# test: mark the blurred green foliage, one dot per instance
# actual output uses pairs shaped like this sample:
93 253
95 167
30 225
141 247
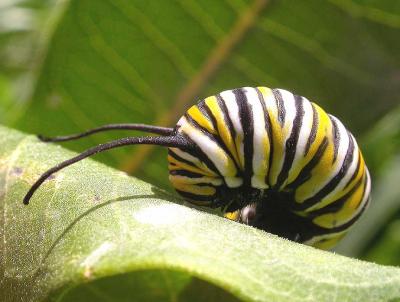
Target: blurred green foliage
66 66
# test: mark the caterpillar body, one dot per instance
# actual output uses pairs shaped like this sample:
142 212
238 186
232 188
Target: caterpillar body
267 157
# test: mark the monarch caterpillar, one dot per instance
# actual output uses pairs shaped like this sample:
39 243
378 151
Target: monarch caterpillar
268 158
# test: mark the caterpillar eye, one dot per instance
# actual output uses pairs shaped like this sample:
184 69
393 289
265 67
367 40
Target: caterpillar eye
271 158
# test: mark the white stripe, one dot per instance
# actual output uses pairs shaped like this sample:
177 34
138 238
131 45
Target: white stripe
342 151
214 152
233 111
198 163
344 144
259 133
305 130
304 134
365 198
290 113
367 192
272 110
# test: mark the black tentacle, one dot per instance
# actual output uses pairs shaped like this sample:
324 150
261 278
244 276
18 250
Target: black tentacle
166 141
139 127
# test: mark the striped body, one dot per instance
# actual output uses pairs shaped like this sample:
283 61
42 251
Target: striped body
273 160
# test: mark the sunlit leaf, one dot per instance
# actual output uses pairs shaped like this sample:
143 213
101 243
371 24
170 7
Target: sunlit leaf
94 234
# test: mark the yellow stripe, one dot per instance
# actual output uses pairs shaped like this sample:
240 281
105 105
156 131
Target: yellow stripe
345 213
327 243
240 150
218 156
261 170
319 136
193 189
276 131
341 193
265 91
223 129
183 166
323 170
195 180
278 137
202 120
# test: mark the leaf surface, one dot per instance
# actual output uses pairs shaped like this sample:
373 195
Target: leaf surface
94 233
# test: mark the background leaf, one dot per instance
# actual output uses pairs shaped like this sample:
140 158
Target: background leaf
24 28
135 61
81 240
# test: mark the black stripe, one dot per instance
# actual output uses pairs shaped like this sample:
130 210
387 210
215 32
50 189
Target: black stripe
198 153
366 180
331 185
196 197
205 184
186 173
336 205
313 132
195 124
355 171
210 115
202 156
227 118
232 131
316 230
336 138
268 128
216 138
348 224
203 130
305 173
291 142
202 107
246 119
280 105
177 157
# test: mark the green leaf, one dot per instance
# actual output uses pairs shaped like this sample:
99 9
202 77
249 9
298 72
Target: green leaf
93 233
24 33
148 61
